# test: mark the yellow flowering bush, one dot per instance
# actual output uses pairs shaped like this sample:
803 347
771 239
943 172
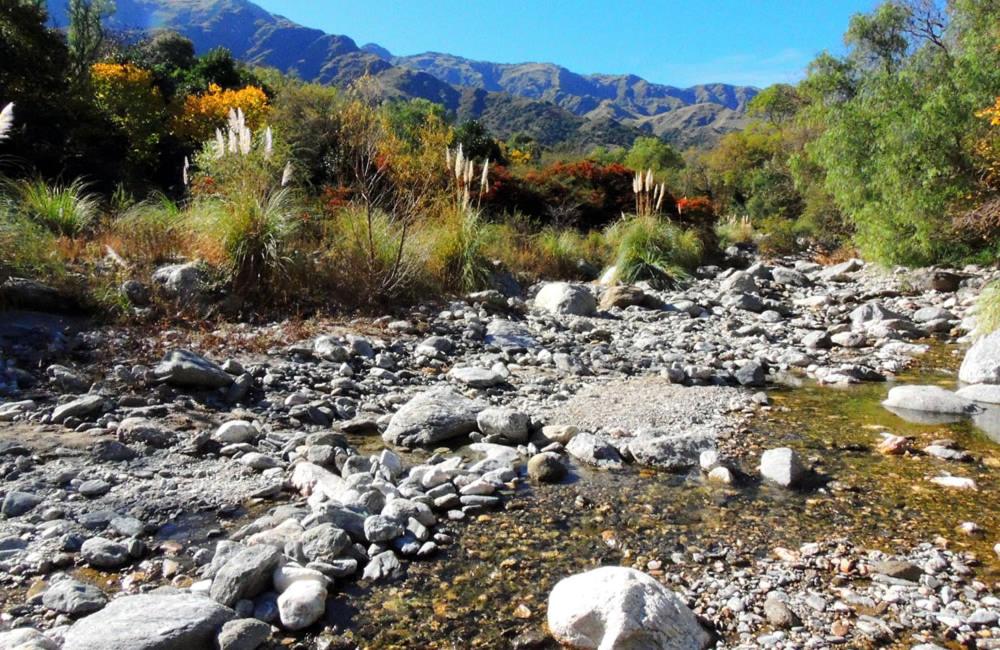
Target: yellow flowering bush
201 114
125 93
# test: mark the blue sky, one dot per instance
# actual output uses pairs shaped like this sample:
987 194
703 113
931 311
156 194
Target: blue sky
754 42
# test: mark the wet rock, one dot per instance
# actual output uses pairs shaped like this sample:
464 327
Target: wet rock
932 399
897 569
546 468
983 393
617 607
434 416
671 451
245 575
782 466
981 364
74 598
563 298
595 451
188 370
384 566
151 622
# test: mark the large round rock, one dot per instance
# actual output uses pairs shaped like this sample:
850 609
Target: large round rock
566 298
982 362
621 609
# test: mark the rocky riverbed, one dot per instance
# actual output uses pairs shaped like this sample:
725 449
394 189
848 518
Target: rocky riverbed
425 479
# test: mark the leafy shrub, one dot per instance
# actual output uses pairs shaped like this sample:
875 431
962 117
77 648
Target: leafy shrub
653 249
66 210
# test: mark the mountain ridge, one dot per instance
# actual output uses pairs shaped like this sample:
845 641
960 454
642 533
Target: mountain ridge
554 105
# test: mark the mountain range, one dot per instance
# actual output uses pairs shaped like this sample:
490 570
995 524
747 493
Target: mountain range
555 106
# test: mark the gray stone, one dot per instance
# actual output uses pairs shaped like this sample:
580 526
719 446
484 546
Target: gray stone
563 298
26 638
379 528
593 450
753 373
507 423
102 553
78 408
151 622
17 503
243 634
189 370
617 607
384 566
782 466
94 488
235 432
476 377
932 399
183 282
981 364
74 598
872 312
509 336
670 451
147 432
245 575
984 393
324 543
433 416
779 615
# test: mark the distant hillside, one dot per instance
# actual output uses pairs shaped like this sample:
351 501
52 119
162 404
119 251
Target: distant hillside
555 105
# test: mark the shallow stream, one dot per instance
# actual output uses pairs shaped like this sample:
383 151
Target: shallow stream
490 589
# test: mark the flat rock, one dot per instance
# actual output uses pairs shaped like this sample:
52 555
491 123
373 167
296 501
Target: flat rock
151 622
188 370
431 417
932 399
78 408
74 598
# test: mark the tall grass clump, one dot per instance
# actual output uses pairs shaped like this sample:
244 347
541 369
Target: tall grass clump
988 310
243 211
735 230
26 248
152 231
459 245
654 250
66 210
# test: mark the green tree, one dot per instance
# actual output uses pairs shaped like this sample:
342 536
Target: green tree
85 34
407 118
653 153
776 104
476 141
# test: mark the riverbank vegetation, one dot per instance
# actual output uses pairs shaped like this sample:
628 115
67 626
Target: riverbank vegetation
121 154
